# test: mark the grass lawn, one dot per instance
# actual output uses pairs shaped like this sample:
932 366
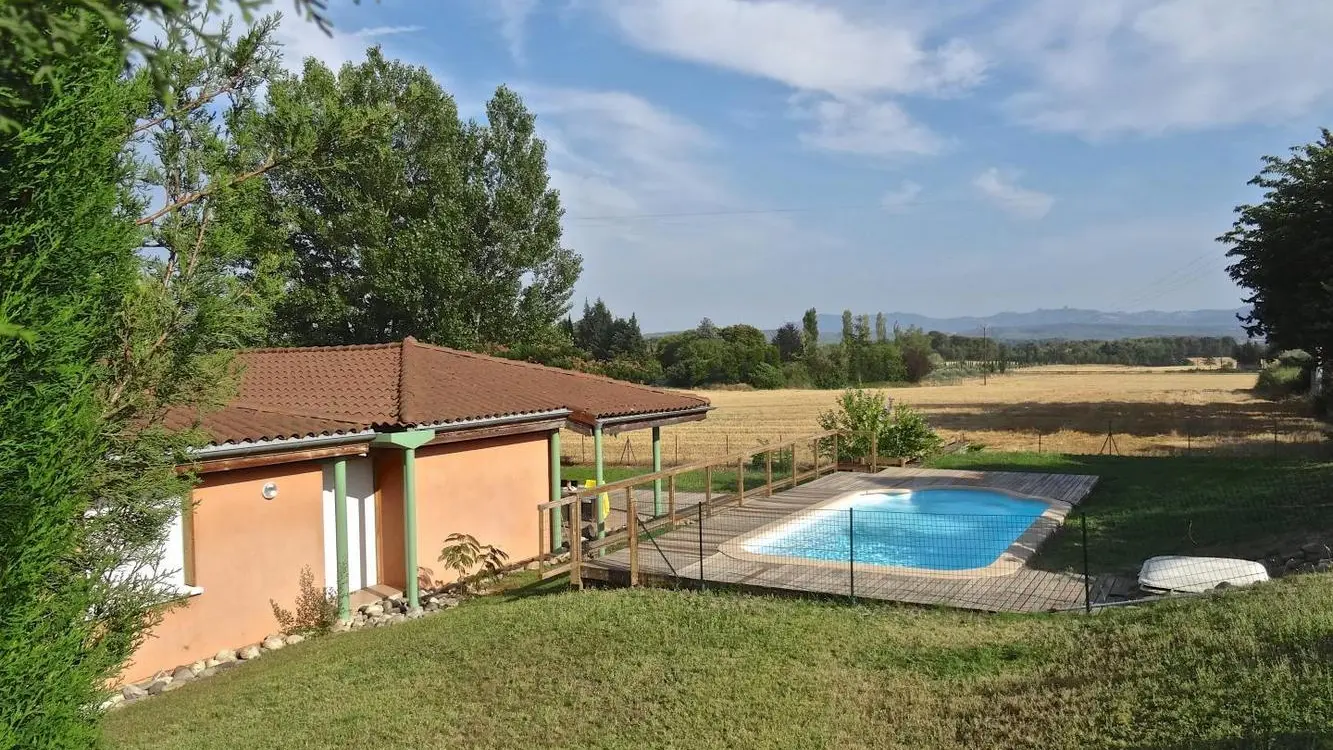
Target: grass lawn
656 668
1184 505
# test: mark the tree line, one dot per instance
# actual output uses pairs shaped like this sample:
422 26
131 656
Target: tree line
1152 351
868 352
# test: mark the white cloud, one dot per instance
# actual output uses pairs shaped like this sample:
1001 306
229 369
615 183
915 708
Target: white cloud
804 45
850 66
301 39
513 18
1004 191
378 32
874 128
649 201
1154 66
901 198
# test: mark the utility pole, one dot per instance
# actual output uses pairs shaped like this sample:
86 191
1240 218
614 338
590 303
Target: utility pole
985 353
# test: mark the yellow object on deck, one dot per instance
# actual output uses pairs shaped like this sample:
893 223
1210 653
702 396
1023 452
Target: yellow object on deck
603 500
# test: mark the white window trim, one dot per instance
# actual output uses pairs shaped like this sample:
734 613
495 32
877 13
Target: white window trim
172 562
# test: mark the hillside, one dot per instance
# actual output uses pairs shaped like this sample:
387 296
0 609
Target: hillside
1065 323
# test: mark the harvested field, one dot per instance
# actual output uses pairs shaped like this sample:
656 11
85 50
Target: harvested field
1068 409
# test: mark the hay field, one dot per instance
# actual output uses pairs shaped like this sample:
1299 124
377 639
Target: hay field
1149 410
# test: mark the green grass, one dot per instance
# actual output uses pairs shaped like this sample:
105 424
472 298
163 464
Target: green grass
1184 505
654 668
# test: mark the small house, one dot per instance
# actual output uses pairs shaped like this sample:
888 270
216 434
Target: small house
363 459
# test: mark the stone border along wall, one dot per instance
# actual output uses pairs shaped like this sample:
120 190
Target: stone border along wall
390 611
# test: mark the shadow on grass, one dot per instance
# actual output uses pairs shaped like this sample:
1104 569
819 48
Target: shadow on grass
523 585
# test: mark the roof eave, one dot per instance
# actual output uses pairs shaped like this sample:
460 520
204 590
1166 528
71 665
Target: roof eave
585 423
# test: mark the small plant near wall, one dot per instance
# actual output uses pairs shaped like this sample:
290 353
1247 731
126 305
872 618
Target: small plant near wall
474 563
316 608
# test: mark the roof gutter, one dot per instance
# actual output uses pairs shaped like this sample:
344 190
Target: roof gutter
652 415
270 446
211 452
467 424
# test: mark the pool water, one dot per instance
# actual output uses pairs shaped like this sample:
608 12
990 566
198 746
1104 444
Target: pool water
936 529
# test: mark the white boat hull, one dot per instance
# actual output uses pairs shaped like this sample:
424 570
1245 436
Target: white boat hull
1197 574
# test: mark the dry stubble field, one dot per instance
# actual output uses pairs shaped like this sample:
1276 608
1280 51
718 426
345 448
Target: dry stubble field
1150 411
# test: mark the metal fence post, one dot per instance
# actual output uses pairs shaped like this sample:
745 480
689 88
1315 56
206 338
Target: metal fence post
1087 579
851 553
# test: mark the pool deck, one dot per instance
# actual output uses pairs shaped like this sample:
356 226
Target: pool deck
685 556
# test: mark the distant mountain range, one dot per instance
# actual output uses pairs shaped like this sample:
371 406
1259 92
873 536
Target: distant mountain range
1064 323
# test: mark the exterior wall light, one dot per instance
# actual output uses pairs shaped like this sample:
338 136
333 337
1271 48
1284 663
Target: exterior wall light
270 490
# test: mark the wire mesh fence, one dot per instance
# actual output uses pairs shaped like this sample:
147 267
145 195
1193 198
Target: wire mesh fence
1163 530
1129 430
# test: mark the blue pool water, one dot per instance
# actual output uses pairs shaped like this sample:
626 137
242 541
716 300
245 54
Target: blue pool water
936 529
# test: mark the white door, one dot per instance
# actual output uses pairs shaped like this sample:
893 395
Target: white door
362 557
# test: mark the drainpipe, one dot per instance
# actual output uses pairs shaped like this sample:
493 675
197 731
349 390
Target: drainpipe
409 441
340 535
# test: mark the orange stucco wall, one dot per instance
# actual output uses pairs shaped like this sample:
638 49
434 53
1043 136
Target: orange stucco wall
487 488
246 551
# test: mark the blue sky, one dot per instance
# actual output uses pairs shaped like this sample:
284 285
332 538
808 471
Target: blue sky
747 159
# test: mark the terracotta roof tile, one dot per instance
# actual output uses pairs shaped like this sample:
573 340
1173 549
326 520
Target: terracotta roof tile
297 392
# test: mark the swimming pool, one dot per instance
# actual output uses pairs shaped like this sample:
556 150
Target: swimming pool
949 529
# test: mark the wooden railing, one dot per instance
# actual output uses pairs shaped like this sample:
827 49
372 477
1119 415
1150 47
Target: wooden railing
822 449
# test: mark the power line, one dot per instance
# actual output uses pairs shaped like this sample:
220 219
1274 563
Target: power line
1170 281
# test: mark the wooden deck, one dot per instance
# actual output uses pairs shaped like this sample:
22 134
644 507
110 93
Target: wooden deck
685 555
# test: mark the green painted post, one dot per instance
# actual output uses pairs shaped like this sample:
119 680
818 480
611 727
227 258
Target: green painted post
658 509
410 525
408 441
557 514
340 535
600 476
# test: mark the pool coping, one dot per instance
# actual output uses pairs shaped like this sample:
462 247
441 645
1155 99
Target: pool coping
1008 562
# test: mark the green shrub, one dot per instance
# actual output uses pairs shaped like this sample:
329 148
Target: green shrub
767 377
796 375
909 435
902 432
1294 358
66 265
1281 381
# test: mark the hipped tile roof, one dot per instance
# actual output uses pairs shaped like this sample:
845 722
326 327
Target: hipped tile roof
309 391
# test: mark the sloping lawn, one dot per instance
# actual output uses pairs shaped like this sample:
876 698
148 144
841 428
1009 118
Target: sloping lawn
1204 505
655 668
